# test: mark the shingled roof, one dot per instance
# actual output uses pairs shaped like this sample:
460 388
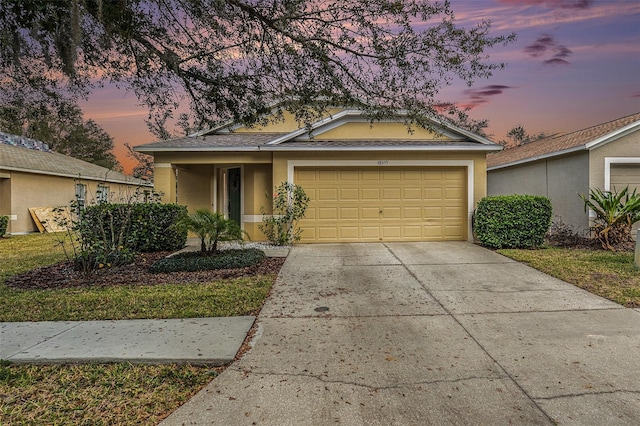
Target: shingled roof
16 158
584 139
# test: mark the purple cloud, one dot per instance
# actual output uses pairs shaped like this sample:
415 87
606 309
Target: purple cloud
481 95
553 4
546 46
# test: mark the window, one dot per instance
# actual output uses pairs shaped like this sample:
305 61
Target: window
81 196
102 194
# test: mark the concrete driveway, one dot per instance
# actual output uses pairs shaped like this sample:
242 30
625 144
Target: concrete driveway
427 333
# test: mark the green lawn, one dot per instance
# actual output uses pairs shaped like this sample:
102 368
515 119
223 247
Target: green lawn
608 274
122 394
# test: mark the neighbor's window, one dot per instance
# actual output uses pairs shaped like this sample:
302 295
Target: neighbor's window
81 196
102 194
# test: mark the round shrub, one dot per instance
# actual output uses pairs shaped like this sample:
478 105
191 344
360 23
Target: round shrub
512 221
197 261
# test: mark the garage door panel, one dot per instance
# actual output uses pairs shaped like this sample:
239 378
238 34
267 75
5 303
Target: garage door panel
328 213
326 194
349 213
391 213
394 194
370 213
432 193
349 194
373 204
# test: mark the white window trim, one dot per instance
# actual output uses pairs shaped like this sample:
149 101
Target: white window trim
469 164
608 161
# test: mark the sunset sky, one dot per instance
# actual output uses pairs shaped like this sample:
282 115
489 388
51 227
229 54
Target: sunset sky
575 63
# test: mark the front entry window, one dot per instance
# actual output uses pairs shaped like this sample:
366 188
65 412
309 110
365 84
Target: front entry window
234 194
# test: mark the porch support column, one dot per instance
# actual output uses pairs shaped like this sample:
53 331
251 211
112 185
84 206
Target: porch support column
164 181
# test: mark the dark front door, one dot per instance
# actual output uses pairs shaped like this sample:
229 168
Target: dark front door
233 191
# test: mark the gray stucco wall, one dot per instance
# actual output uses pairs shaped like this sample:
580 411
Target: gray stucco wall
560 179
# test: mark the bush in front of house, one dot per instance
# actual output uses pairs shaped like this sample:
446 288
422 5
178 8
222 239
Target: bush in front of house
512 221
4 222
196 261
139 227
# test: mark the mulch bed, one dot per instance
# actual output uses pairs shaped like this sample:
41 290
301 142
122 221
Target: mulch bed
62 275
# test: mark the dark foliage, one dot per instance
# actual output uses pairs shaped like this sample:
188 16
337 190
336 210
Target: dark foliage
232 60
196 261
4 222
147 227
512 221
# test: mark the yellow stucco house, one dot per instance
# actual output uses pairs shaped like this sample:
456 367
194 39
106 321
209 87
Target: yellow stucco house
367 181
34 178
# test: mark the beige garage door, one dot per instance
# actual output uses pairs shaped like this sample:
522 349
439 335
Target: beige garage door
384 204
623 175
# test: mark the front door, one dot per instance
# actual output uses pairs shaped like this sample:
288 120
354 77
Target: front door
234 194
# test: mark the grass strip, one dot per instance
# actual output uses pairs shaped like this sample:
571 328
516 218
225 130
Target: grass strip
99 394
243 296
611 275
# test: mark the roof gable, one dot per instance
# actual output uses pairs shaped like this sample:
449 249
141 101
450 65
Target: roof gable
580 140
345 129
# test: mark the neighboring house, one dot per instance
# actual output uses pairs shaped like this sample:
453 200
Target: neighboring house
605 156
34 177
367 181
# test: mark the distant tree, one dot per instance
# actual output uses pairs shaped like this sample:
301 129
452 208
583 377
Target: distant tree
236 59
57 121
519 136
144 164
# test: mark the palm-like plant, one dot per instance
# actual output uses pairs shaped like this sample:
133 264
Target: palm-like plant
616 212
211 228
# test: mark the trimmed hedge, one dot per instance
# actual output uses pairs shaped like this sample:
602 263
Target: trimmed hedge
512 221
151 227
4 222
196 261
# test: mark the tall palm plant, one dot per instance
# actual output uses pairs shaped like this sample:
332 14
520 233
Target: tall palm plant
616 212
211 228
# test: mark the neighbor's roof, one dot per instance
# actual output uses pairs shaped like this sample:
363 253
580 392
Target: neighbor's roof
585 139
223 139
20 159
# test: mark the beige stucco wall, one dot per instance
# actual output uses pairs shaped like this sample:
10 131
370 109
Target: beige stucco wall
195 186
28 190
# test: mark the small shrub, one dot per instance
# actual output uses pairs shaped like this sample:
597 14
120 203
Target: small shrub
563 235
512 221
4 222
196 261
289 205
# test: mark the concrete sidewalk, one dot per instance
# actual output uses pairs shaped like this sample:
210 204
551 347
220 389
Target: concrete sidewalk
210 341
427 334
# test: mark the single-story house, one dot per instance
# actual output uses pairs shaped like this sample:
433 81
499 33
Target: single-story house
367 181
604 156
34 177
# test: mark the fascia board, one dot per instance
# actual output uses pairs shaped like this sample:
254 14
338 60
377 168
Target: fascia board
76 176
610 137
538 157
